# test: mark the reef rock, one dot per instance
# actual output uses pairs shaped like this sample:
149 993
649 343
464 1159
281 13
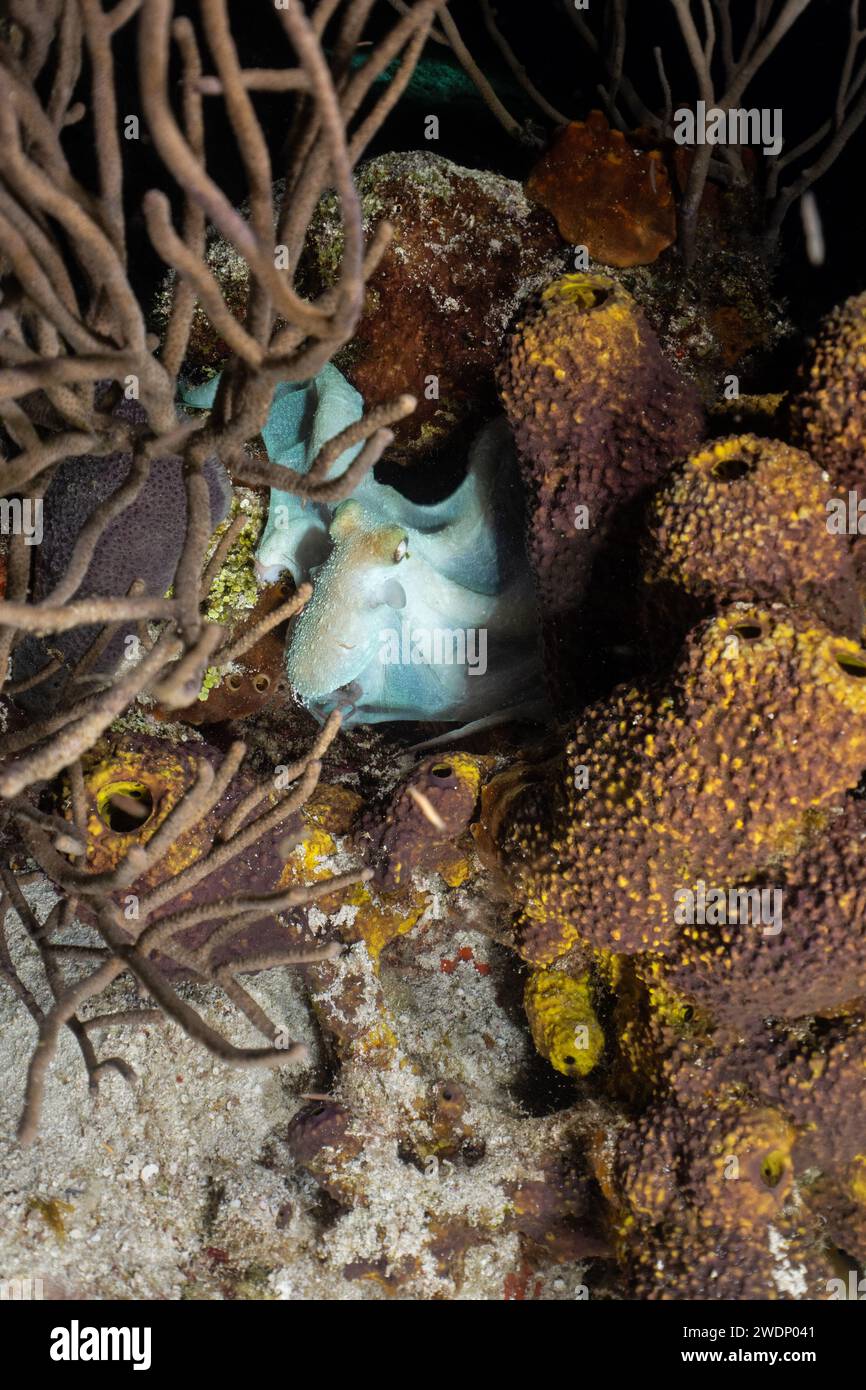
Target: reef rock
467 249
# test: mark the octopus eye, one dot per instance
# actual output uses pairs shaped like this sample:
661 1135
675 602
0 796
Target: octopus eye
402 551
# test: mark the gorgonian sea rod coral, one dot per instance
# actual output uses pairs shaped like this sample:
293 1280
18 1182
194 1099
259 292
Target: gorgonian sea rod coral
160 838
74 297
89 396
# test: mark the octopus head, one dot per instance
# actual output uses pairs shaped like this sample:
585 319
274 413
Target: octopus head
362 584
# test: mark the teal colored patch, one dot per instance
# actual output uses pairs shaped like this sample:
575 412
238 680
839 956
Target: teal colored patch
434 80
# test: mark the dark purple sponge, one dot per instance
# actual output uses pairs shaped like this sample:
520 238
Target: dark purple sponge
143 542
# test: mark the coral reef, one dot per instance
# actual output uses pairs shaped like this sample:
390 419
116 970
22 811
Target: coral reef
816 964
178 865
707 1206
481 1174
465 248
153 476
542 1013
721 321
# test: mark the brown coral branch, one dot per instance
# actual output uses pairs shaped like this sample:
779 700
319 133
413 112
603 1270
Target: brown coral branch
124 1018
251 636
276 476
134 956
485 90
184 296
814 171
10 974
34 618
517 68
201 282
639 111
259 80
269 960
249 803
224 853
19 687
379 418
234 913
80 733
63 1011
184 679
82 669
254 798
30 464
192 1023
68 66
189 172
848 116
394 90
70 323
98 34
187 578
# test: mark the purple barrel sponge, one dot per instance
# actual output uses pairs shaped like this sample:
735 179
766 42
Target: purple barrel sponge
144 542
599 416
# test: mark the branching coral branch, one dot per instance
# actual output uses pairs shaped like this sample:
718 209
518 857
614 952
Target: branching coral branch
848 116
74 323
725 64
74 340
126 951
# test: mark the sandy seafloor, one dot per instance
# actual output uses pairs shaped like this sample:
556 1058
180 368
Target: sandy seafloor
185 1188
